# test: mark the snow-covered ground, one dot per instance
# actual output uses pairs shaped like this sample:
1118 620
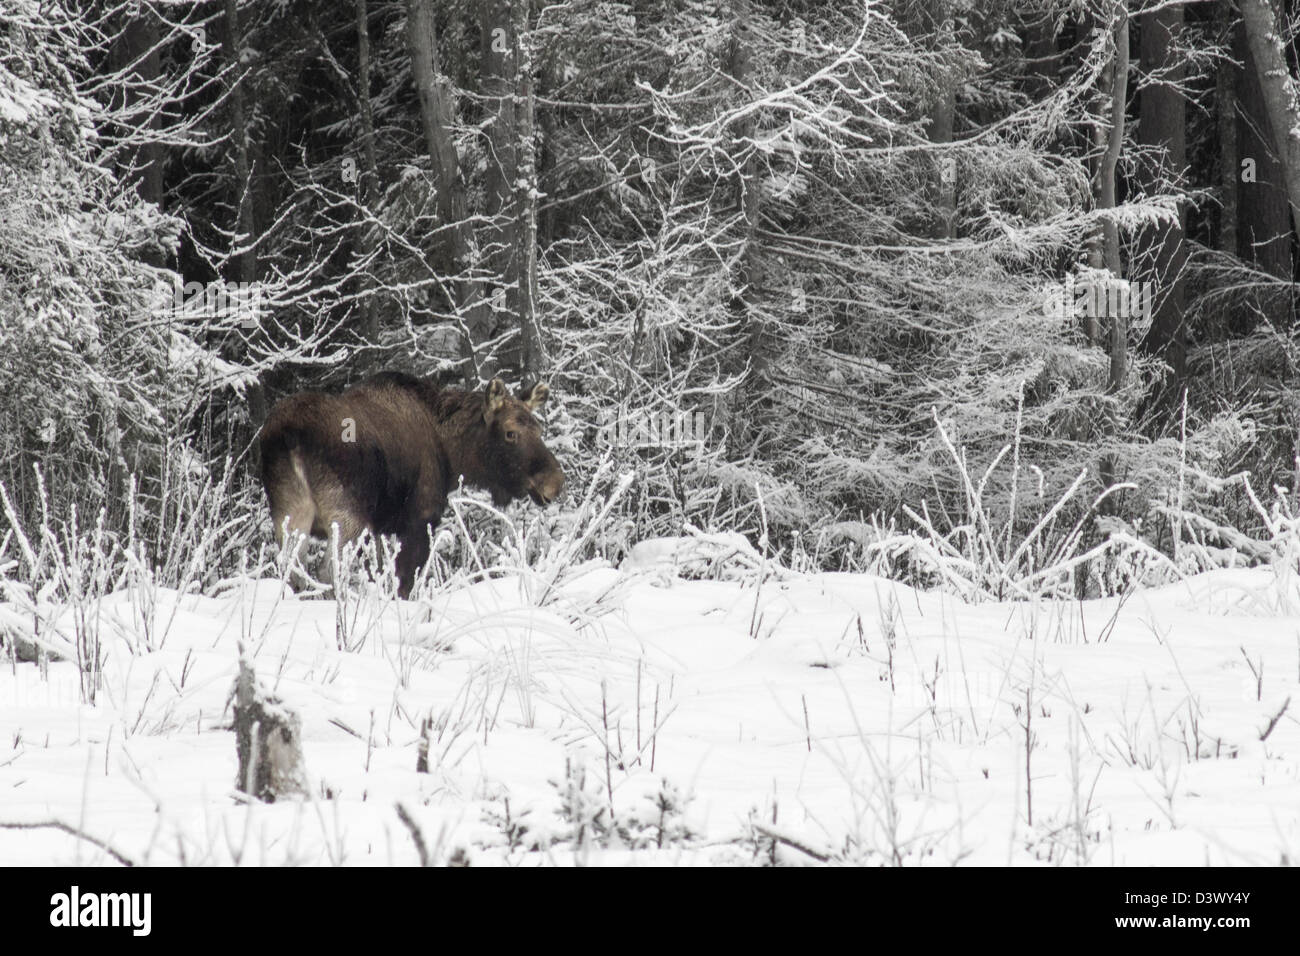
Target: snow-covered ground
632 716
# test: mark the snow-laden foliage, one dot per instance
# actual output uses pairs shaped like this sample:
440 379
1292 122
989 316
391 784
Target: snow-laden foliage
100 376
770 280
767 252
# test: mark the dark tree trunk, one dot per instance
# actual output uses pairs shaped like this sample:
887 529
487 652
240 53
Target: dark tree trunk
746 189
1225 108
1108 139
511 237
940 128
370 176
434 91
245 239
524 259
142 163
1041 55
1264 227
1277 90
1118 106
1162 128
497 42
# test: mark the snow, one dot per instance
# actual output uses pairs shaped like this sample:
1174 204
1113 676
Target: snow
1144 716
20 101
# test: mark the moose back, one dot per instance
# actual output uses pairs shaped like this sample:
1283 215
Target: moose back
383 455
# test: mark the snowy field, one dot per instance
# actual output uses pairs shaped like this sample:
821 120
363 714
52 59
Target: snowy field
633 715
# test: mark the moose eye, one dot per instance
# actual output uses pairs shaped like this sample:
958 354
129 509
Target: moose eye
511 434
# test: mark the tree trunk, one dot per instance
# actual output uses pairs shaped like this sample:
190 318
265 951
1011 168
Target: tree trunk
1118 103
1102 133
436 118
1109 134
1162 128
533 359
1225 109
268 740
370 176
1263 222
1278 89
498 45
511 237
940 128
231 47
1041 57
746 191
142 165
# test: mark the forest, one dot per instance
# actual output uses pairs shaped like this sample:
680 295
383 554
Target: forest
838 240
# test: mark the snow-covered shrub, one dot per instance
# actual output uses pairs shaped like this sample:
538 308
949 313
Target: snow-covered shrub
101 377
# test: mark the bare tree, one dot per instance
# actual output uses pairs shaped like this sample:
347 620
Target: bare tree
510 238
245 239
1278 86
436 111
1162 131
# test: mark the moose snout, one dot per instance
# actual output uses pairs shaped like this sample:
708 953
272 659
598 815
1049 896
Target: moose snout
547 486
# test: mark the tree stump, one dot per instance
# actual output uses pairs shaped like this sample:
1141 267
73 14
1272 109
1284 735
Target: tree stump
268 738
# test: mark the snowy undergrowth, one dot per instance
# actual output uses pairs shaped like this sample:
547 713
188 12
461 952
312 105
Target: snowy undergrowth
701 703
613 715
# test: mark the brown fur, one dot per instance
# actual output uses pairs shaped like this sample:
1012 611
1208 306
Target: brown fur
412 443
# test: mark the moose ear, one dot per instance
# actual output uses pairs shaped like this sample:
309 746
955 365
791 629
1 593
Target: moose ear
538 396
496 397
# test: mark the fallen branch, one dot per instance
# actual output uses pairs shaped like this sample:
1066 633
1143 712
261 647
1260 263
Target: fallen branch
416 834
72 831
791 842
1274 719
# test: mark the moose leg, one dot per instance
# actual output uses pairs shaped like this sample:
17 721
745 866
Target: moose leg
412 557
341 527
293 512
292 506
427 503
291 532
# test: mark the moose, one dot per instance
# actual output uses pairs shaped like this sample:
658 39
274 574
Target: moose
383 455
